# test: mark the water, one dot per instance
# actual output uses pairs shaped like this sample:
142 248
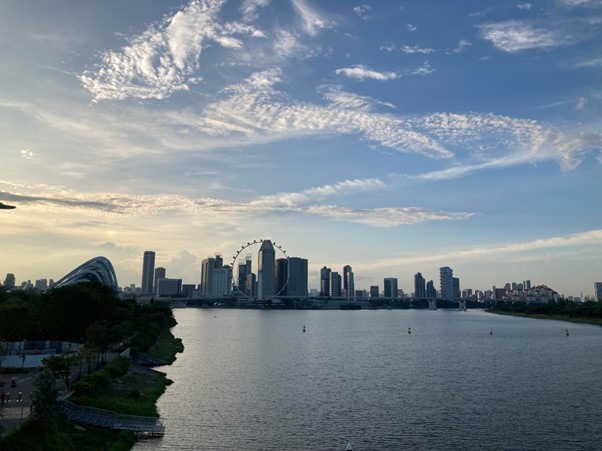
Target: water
252 380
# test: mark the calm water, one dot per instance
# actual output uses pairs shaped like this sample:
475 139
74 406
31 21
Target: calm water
252 380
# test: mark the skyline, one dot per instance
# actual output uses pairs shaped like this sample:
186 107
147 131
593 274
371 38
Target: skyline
393 137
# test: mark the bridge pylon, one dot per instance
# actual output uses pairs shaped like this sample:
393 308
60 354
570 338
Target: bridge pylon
432 304
462 305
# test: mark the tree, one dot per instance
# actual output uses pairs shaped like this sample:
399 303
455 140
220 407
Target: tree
59 365
44 396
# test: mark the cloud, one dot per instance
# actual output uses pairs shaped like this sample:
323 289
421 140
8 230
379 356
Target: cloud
596 62
165 58
411 27
249 9
361 72
27 154
525 6
424 69
515 36
388 47
363 11
415 49
54 199
347 100
312 22
462 45
386 217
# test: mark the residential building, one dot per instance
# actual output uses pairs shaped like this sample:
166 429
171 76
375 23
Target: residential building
159 274
446 275
374 292
335 285
348 282
325 281
419 286
431 292
598 291
169 287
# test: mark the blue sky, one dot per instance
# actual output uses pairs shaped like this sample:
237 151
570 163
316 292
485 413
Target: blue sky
393 136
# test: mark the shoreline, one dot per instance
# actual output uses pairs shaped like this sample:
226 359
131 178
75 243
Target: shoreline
576 320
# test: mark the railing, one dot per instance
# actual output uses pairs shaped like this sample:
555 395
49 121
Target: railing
112 420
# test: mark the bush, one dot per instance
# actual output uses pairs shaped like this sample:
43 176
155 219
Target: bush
84 388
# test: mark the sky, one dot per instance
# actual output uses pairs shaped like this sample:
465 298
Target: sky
393 136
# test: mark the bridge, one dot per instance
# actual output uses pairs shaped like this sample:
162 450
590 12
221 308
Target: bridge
112 420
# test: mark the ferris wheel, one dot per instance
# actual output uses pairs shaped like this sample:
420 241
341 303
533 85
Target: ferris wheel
247 257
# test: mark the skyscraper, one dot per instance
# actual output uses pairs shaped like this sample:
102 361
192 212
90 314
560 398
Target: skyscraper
374 291
297 280
348 283
325 281
266 282
148 272
335 285
431 292
207 267
456 284
419 286
390 287
282 275
159 274
446 276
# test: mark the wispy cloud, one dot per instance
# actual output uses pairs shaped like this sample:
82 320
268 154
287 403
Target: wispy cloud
525 6
250 8
411 27
363 11
463 44
27 154
53 199
361 72
515 36
312 21
410 49
166 57
423 69
386 217
595 62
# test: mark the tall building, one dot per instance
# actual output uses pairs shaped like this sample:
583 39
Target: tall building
207 267
446 276
390 285
222 282
148 272
159 274
335 285
325 281
419 286
348 283
598 291
244 269
266 282
251 285
374 291
297 280
9 281
282 275
526 285
456 284
431 292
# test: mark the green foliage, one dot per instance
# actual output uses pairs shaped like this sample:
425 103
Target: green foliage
59 365
43 397
560 310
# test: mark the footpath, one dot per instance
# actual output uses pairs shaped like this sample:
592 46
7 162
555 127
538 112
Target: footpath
15 408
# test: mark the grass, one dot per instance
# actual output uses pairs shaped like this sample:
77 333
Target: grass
167 347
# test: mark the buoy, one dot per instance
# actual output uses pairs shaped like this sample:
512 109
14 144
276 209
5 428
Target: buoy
303 328
490 331
409 330
567 332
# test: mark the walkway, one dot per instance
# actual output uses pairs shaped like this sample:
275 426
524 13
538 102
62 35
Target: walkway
112 420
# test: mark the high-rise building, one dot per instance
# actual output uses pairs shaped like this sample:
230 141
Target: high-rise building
374 291
207 267
446 276
335 285
159 274
325 281
148 272
598 291
297 280
419 286
348 282
431 292
390 287
251 285
187 290
9 281
456 284
526 285
41 284
266 282
282 276
244 269
222 282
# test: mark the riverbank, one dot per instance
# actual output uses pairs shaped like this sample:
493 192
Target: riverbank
580 320
135 393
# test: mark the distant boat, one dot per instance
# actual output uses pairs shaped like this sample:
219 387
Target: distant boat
349 447
567 332
303 328
490 331
6 207
409 330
